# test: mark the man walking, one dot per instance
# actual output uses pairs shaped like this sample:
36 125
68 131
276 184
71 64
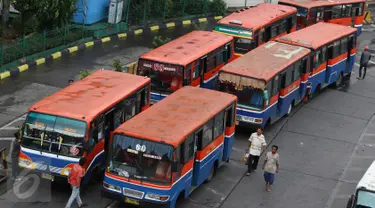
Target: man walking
271 167
74 179
15 153
365 59
257 142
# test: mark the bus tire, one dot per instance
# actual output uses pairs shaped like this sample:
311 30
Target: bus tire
212 173
350 202
338 81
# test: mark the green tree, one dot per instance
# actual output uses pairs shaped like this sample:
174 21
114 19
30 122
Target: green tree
5 13
84 73
117 65
159 41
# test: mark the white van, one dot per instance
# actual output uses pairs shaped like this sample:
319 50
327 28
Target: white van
365 192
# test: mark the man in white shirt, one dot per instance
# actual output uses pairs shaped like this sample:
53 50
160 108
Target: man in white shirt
257 143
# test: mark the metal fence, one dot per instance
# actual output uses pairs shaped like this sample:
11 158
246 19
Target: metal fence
134 13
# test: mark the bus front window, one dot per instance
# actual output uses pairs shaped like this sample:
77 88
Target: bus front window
365 199
243 45
141 159
54 134
164 77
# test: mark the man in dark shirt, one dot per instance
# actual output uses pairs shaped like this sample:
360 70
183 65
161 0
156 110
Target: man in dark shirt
15 153
365 59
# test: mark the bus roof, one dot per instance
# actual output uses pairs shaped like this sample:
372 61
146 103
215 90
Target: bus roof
317 3
187 48
175 117
85 99
368 179
266 61
254 17
308 37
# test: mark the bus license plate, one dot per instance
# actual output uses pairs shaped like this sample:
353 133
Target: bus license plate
48 176
131 201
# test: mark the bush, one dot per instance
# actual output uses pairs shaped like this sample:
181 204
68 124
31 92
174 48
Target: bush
117 65
84 73
159 41
218 7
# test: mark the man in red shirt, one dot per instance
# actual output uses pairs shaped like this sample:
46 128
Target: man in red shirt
74 179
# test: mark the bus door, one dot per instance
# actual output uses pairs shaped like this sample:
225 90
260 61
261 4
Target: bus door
351 47
320 14
328 12
108 127
227 52
289 24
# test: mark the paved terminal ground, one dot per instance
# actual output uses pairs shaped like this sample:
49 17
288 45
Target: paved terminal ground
325 145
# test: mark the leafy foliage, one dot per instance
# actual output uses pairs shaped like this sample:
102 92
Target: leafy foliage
218 7
159 41
117 65
84 73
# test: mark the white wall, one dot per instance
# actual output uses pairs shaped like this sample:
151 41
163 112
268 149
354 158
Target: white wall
241 3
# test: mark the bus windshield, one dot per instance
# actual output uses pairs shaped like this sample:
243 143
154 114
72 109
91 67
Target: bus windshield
365 199
141 159
243 45
248 91
54 134
164 77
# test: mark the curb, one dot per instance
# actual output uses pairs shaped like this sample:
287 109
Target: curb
14 72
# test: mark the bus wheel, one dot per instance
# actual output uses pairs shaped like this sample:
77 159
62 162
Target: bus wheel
212 174
289 109
338 81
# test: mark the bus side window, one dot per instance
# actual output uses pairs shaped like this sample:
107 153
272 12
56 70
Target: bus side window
187 77
180 164
352 42
230 116
275 85
317 59
267 34
211 62
197 70
273 31
219 58
324 55
144 96
188 148
327 13
289 75
337 9
348 10
219 125
283 80
297 71
207 134
330 52
304 67
336 49
344 45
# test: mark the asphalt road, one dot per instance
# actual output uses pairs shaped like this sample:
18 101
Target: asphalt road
325 145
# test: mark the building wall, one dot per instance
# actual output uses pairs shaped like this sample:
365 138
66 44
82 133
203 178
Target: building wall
96 11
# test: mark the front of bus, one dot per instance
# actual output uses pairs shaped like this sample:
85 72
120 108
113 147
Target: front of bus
165 78
253 108
243 37
139 172
51 144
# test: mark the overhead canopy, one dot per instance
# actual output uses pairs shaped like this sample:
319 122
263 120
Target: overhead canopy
241 82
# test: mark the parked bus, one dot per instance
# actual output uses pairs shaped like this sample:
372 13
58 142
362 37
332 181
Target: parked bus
343 12
266 82
333 53
190 60
167 151
255 25
75 122
364 196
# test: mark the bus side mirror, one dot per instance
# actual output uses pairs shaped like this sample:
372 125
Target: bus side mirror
174 166
265 96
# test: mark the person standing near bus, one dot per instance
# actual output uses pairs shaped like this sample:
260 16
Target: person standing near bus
365 59
75 176
271 167
15 154
257 142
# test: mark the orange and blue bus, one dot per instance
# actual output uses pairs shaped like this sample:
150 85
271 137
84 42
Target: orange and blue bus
166 152
332 53
343 12
76 121
255 25
190 60
270 80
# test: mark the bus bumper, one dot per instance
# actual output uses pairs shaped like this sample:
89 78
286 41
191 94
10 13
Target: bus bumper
248 125
48 176
142 203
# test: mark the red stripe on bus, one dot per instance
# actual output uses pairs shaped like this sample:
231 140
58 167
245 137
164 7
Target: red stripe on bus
305 77
358 20
186 168
230 130
290 88
274 99
320 68
342 21
136 181
207 150
337 59
353 51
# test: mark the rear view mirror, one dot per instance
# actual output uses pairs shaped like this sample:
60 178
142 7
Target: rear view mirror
265 94
174 166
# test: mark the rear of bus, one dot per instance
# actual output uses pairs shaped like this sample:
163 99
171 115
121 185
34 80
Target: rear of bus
192 59
75 122
267 81
255 25
155 158
349 13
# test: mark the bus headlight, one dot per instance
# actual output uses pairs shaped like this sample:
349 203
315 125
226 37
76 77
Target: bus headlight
112 187
25 163
157 197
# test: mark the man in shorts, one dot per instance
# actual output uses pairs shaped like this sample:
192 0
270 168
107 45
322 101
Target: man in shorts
271 167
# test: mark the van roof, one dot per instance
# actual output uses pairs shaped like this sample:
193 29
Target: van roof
368 179
316 3
307 37
266 61
188 48
85 99
175 117
257 16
